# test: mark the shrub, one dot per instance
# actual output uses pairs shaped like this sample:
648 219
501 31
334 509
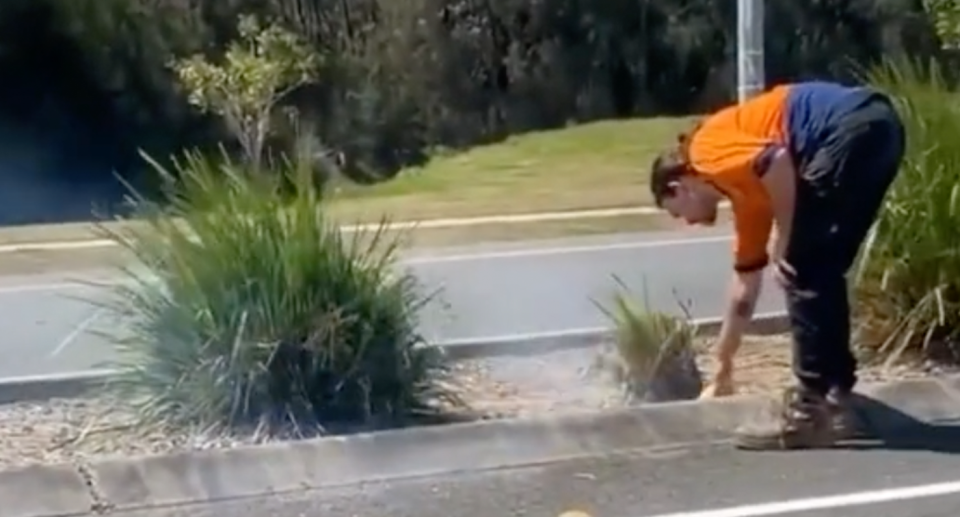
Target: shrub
257 71
258 311
653 356
908 288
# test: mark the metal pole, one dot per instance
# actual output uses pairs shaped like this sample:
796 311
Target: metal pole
750 74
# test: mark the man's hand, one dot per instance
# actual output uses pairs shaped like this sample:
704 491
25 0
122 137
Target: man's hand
780 182
784 273
742 298
721 385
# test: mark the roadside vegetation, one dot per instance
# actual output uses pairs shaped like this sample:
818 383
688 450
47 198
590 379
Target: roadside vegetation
273 320
653 357
907 288
260 313
908 285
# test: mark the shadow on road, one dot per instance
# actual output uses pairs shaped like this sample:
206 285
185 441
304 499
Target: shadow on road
891 429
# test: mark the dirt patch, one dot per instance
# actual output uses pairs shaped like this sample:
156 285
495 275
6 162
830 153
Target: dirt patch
72 430
535 385
563 381
77 430
763 365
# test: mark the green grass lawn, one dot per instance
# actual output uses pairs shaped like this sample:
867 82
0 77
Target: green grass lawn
597 165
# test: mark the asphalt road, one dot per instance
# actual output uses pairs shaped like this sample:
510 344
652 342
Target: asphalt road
50 326
701 481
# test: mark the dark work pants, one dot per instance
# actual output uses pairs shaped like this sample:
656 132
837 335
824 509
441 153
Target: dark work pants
839 192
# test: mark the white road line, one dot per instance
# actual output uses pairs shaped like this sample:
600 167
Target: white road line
526 336
54 377
564 250
57 246
57 286
508 219
28 288
459 222
75 333
828 502
399 225
440 259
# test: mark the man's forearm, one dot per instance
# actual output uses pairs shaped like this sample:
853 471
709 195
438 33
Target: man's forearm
744 293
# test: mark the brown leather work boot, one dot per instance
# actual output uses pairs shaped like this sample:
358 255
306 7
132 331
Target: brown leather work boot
846 424
805 423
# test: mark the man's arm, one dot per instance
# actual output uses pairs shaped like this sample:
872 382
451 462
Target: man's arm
753 219
780 183
742 298
735 162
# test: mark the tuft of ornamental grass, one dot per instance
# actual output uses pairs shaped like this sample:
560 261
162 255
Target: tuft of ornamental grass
908 279
653 356
246 307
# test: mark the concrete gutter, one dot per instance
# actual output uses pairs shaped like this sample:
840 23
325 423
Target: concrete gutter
43 387
210 476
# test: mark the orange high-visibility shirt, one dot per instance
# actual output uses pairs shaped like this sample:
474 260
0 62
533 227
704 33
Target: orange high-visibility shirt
732 149
726 150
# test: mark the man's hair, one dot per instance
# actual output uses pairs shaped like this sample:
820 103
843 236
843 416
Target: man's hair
669 166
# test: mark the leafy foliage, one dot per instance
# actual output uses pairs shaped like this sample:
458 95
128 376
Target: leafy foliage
909 276
400 78
259 69
125 46
246 306
653 356
946 19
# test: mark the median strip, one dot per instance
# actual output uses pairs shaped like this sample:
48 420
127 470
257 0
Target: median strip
533 395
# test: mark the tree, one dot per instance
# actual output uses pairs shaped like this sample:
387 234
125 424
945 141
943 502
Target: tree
256 72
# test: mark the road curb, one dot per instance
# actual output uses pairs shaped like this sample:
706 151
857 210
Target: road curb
44 491
218 475
45 387
544 342
415 452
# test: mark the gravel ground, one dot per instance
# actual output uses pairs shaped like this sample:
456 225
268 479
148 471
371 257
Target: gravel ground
561 381
76 430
